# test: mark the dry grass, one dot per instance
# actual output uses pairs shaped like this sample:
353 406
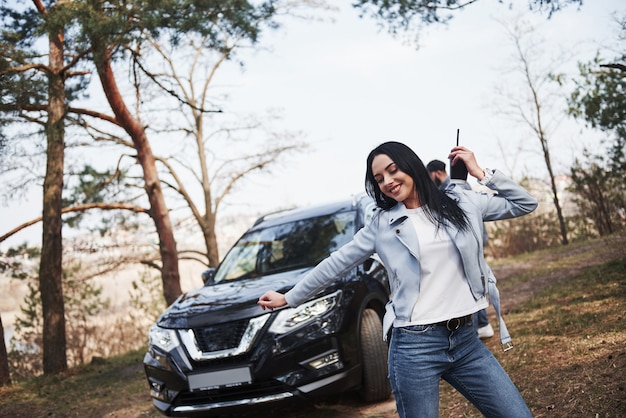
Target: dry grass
565 308
570 348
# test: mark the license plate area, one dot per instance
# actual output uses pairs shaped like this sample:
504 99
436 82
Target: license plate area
220 378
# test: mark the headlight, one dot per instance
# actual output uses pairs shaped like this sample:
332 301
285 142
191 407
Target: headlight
290 319
165 339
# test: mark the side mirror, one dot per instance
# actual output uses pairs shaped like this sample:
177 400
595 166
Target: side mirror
208 276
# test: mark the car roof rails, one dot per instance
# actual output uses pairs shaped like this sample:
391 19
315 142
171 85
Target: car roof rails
271 215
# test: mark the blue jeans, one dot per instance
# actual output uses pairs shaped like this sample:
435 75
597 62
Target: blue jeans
481 318
421 355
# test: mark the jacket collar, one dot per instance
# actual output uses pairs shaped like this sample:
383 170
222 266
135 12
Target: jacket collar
397 213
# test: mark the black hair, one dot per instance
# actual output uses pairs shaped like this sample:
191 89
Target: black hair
438 206
436 165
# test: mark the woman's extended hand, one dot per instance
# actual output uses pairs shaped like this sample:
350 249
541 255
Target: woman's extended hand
271 300
467 156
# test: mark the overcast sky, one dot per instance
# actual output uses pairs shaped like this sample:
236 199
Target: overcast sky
350 86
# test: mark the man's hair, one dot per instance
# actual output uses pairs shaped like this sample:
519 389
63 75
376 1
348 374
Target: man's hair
436 165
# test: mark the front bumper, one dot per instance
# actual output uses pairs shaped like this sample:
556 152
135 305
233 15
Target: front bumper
314 370
198 405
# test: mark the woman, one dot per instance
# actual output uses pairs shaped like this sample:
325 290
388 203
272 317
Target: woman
431 246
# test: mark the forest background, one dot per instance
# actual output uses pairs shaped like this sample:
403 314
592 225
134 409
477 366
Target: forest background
165 166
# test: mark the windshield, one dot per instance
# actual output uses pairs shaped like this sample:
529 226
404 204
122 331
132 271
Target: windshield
289 246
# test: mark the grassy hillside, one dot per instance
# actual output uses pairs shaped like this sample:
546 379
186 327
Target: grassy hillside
565 308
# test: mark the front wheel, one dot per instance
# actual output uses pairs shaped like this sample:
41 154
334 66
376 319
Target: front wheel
375 385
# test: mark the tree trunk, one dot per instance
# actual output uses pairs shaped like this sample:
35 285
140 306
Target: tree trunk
559 212
5 377
536 122
158 209
210 239
555 194
50 268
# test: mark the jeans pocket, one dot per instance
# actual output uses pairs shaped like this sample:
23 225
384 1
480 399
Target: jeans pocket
416 329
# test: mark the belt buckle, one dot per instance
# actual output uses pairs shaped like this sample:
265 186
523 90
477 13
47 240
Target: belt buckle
457 326
507 346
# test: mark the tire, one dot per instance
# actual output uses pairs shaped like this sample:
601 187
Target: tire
375 384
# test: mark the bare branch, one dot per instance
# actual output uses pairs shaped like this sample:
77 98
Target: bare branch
152 264
94 114
180 188
74 61
7 107
170 91
24 68
454 7
265 159
191 258
77 208
40 7
615 66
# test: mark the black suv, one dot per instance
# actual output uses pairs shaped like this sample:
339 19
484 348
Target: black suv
215 351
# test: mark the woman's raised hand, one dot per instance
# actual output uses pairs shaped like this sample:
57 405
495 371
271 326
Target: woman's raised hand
468 157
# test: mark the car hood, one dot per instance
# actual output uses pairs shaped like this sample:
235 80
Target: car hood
224 302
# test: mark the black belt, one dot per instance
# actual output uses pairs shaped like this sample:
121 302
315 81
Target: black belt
455 323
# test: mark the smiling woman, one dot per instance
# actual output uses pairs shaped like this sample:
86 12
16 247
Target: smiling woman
426 239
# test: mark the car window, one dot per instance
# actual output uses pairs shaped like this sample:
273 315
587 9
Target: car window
288 246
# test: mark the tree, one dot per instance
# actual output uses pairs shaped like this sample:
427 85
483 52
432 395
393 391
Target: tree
532 107
105 33
599 192
50 268
111 31
233 28
134 128
5 377
411 15
599 99
224 155
169 22
20 58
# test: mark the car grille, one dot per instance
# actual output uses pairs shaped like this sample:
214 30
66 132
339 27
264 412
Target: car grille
222 340
220 336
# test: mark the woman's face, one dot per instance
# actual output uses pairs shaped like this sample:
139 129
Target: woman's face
393 182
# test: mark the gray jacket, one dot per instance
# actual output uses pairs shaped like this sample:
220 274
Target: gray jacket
391 235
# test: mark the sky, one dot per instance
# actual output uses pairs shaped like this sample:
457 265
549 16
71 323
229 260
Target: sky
349 86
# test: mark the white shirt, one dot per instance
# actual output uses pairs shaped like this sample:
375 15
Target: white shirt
444 291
